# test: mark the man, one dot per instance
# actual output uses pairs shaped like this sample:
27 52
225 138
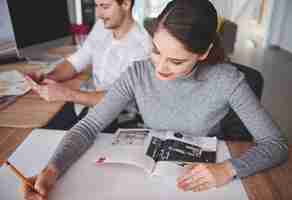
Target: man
113 44
115 41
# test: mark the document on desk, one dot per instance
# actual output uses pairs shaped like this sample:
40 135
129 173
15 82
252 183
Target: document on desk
111 181
158 152
12 83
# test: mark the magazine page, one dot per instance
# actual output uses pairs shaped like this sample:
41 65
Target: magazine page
169 170
178 150
154 143
188 148
128 147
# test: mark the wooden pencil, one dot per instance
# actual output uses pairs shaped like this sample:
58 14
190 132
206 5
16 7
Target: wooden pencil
19 175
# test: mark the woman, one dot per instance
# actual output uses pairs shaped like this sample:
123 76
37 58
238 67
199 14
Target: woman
178 89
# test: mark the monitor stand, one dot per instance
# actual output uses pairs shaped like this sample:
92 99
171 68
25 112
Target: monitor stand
9 60
38 53
9 53
44 58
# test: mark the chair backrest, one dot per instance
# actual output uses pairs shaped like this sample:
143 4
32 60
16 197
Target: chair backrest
231 126
228 33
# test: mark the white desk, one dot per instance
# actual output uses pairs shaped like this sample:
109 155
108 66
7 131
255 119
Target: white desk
85 180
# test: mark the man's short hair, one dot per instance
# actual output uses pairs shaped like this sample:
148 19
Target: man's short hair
121 1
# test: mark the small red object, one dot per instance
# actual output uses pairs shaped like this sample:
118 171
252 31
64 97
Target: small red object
79 29
80 32
100 160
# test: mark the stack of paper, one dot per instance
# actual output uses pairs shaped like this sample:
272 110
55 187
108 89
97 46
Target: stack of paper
12 83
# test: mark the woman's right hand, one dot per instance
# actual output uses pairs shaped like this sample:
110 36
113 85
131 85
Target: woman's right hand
37 76
43 184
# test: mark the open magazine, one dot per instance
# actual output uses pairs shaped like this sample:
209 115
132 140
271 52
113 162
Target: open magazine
160 153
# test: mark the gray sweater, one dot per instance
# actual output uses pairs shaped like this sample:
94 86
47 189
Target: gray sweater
194 104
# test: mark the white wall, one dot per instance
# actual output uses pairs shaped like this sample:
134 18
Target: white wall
280 29
235 9
286 28
71 11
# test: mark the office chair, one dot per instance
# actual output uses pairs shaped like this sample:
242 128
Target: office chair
232 127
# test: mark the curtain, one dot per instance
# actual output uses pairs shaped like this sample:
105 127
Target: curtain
236 9
229 9
148 8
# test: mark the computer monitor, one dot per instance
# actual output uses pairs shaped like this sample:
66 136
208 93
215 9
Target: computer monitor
39 25
8 47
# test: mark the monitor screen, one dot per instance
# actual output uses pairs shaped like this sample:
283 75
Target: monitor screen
7 40
36 21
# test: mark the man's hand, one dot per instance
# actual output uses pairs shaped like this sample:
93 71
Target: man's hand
50 90
36 76
203 176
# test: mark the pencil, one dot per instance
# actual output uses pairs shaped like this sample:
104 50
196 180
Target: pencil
20 175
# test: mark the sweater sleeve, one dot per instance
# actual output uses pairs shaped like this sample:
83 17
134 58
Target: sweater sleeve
270 147
78 139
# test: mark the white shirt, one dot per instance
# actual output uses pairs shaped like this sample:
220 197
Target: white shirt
110 57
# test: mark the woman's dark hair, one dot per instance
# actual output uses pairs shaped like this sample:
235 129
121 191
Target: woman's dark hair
194 24
122 1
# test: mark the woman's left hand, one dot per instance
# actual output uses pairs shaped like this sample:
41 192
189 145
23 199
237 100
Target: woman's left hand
203 176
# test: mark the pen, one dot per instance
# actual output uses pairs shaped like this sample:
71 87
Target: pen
182 163
20 175
32 82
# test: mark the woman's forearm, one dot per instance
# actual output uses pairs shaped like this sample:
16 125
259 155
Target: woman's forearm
265 154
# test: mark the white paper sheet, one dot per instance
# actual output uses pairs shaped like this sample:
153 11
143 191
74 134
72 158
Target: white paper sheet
12 83
86 181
